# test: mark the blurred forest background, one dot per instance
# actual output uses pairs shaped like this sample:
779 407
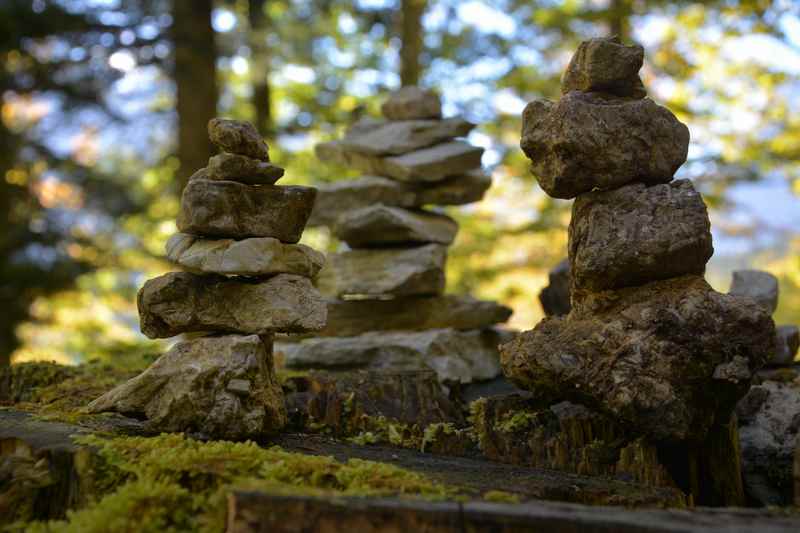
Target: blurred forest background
105 102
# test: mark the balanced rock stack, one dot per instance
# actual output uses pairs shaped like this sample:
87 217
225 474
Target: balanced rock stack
386 308
245 279
647 341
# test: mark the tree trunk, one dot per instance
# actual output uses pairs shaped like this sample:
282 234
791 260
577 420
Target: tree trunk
411 38
196 82
260 26
619 13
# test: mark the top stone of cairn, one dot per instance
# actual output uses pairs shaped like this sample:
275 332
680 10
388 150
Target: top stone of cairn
412 103
605 65
237 137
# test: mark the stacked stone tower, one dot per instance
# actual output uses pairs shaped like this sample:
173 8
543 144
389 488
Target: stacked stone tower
245 278
386 308
647 341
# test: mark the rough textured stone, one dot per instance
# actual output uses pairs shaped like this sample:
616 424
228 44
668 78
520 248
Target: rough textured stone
412 313
648 355
769 420
238 137
555 298
787 342
588 140
242 169
189 389
262 256
396 271
434 163
759 285
230 209
461 356
395 138
636 234
381 225
605 65
347 195
181 302
411 103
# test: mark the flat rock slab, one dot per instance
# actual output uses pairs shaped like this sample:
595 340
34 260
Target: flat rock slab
605 65
395 138
381 225
393 271
637 234
348 195
212 208
221 387
243 169
759 285
555 298
251 512
238 137
182 302
257 256
430 164
589 141
460 356
411 102
663 358
413 313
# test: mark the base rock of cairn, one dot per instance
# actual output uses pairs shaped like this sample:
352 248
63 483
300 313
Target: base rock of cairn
385 303
647 341
248 279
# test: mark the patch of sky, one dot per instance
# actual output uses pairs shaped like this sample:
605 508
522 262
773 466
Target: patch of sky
223 20
375 4
347 24
486 18
764 50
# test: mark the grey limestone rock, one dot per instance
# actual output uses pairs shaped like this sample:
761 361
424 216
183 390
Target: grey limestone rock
395 138
409 103
243 169
605 65
381 225
238 137
759 285
181 302
555 298
787 342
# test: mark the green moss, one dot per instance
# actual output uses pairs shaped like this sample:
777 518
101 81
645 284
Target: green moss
514 421
499 496
434 432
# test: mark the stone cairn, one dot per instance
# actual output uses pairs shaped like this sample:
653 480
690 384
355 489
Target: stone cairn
386 309
647 341
245 278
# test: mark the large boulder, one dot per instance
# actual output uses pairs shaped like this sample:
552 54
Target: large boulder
392 271
412 313
243 169
381 225
759 285
666 359
591 141
238 137
231 209
221 387
348 195
181 302
410 103
396 138
457 356
637 234
261 256
605 65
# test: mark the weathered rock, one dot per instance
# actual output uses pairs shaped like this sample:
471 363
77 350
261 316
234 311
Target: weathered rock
222 387
409 103
589 140
413 313
381 225
637 234
243 169
238 137
393 271
181 302
769 420
605 65
667 359
425 165
395 138
348 195
230 209
797 475
787 342
555 297
460 356
759 285
262 256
